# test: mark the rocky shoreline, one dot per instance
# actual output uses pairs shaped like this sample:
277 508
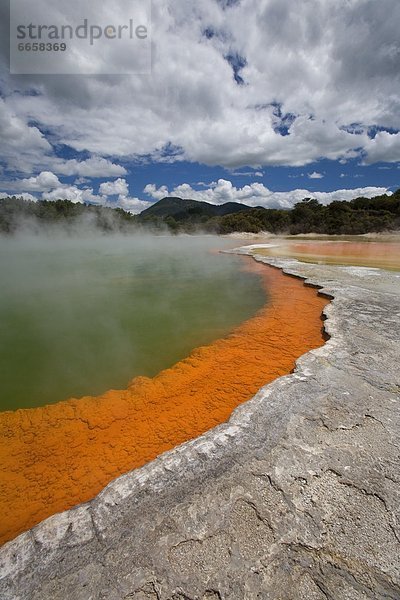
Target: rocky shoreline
297 496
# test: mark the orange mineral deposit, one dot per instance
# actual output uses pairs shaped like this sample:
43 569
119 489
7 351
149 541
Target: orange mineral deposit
383 255
55 457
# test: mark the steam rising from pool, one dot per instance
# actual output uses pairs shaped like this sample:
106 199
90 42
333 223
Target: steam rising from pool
80 315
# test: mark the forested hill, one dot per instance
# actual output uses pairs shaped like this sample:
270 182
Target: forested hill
362 215
185 209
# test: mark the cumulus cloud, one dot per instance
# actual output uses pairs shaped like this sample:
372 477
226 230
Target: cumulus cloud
44 182
73 194
20 142
308 81
315 175
91 167
51 188
385 147
257 194
24 148
111 188
132 205
220 192
25 196
157 193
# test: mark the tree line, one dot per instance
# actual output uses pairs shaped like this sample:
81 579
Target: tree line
19 214
358 216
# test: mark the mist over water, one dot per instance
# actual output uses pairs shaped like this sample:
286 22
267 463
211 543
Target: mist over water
81 315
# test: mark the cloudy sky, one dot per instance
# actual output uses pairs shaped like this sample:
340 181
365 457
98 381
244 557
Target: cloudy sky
257 101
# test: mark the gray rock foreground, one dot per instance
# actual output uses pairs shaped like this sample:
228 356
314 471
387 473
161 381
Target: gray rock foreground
296 497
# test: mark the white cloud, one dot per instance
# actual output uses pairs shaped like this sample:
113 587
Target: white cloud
305 57
24 148
132 205
315 175
220 192
157 193
247 174
73 194
199 183
91 167
44 182
23 195
257 194
117 187
385 147
20 142
53 189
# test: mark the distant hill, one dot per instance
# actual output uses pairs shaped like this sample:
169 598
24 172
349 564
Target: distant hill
189 210
361 215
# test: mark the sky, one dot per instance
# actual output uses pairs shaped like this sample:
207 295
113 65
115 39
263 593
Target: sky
263 102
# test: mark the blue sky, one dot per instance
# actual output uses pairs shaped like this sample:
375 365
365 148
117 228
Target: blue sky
262 102
333 176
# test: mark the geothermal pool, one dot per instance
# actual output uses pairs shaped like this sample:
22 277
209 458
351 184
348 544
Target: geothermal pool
380 252
60 455
81 316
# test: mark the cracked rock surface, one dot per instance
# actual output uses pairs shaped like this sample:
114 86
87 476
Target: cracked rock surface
296 497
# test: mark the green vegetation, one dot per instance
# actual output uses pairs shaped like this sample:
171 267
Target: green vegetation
362 215
188 209
188 215
17 213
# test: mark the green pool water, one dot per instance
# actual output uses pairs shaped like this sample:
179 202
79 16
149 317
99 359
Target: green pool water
81 316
